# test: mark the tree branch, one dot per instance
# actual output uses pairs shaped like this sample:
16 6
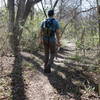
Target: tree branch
51 3
20 11
65 27
28 6
93 8
83 11
5 3
55 4
43 9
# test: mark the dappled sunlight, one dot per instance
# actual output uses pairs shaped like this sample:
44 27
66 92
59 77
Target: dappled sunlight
49 50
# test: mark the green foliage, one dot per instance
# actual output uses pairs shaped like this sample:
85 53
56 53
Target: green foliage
30 34
76 58
88 88
4 35
73 31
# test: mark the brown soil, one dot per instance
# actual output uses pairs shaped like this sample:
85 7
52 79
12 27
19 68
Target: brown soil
23 78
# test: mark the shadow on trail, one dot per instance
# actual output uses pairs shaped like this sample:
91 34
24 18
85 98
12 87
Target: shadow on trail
65 86
18 92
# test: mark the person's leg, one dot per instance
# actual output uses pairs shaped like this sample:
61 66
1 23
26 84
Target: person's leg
52 53
46 51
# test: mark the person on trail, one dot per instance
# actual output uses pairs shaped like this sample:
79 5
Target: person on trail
50 37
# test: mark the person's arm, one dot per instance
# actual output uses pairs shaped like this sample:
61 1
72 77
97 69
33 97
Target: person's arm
40 36
58 35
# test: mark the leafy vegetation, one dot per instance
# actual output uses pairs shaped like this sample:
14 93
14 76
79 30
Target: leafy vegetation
77 64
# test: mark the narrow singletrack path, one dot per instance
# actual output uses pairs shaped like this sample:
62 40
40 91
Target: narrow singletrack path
67 81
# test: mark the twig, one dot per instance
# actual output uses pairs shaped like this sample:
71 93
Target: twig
5 3
43 9
55 4
51 3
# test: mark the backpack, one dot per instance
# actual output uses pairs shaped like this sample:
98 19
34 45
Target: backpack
48 27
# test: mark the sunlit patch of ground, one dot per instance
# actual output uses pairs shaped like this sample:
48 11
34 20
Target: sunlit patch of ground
67 81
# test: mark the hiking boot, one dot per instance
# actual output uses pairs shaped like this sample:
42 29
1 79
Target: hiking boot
47 70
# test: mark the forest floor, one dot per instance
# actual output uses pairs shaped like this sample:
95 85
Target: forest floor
23 78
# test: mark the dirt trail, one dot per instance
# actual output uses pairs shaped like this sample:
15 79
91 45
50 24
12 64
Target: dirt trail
65 81
28 82
39 87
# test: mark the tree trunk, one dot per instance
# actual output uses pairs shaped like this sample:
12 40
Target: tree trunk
98 10
32 13
11 15
16 24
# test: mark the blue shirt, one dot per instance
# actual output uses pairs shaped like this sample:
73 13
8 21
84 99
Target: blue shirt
56 26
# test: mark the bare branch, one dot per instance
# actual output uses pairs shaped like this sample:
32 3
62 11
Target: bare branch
28 6
20 12
65 27
5 3
51 3
93 8
43 9
55 4
83 11
39 8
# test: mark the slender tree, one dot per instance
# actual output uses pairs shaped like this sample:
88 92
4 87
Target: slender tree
16 21
98 11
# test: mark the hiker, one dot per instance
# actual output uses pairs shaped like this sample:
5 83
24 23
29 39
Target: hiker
50 37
